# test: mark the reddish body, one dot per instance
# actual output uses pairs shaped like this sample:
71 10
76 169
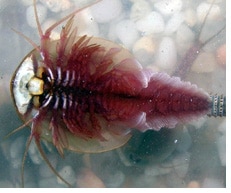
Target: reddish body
93 86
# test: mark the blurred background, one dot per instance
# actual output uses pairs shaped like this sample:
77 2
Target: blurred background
159 33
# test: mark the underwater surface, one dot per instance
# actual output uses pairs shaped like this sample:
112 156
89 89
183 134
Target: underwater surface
159 34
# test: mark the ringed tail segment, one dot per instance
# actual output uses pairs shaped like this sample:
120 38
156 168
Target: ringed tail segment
218 106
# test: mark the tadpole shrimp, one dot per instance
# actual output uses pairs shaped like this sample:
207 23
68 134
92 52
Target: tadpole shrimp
86 94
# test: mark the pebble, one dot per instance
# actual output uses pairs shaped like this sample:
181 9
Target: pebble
222 127
151 23
127 33
197 124
212 183
48 183
166 54
139 9
44 170
202 10
168 7
144 49
174 181
145 181
221 143
115 180
214 1
68 174
34 153
26 2
185 141
193 184
140 23
5 93
145 43
6 184
42 13
88 179
221 55
112 11
57 5
155 170
184 39
86 24
16 152
190 17
204 63
173 23
181 164
174 170
221 146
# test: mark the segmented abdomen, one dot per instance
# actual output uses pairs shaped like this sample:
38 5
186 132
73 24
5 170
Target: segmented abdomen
95 89
163 103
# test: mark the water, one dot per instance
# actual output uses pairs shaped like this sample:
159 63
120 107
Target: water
189 155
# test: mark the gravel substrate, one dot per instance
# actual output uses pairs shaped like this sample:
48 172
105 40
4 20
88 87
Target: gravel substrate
159 33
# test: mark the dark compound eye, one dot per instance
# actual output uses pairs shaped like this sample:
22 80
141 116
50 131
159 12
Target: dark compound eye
40 72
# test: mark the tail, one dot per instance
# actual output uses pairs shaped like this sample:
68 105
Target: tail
218 106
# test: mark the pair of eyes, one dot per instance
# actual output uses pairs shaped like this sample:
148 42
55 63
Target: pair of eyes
28 85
